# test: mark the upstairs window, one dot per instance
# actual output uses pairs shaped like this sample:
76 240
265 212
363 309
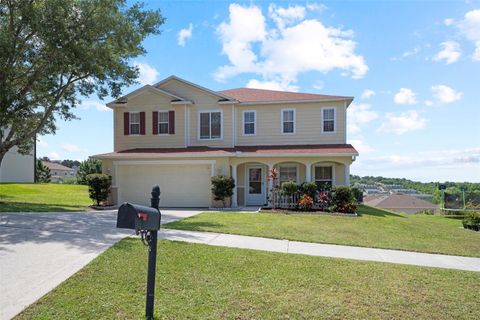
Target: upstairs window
288 121
134 123
210 125
249 122
163 122
328 119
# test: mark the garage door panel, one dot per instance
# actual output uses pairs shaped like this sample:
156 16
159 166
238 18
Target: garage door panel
181 185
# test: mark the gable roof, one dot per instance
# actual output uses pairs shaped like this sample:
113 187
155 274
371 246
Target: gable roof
56 166
250 95
135 93
215 93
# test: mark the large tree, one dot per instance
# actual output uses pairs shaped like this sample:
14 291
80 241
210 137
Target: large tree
54 52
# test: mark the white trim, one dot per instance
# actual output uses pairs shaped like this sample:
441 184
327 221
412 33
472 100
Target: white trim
240 155
135 93
247 180
221 124
294 121
345 122
168 122
130 124
248 103
153 162
325 164
185 125
322 109
181 102
234 127
289 165
254 123
188 126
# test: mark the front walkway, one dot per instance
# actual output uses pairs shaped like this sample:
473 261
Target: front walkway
38 251
324 250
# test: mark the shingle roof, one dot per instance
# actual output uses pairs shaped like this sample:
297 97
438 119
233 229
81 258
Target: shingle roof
55 166
399 200
261 95
336 149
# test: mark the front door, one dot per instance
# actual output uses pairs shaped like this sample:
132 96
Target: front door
255 186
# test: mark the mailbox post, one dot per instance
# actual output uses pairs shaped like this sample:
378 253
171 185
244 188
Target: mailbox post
146 222
152 258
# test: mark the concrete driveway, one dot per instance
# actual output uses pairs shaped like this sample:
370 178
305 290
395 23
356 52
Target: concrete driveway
38 251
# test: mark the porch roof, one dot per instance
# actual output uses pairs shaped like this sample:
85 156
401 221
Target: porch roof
239 151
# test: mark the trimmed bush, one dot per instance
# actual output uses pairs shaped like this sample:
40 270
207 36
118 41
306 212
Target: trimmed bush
289 187
99 186
309 188
222 188
87 167
343 200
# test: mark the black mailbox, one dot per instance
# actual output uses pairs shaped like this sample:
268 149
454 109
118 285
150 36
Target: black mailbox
137 217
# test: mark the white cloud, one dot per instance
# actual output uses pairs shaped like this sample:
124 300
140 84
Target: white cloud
358 115
148 74
428 103
405 96
53 156
448 22
361 145
450 52
70 147
94 104
294 45
184 35
318 85
406 54
367 94
445 94
272 85
470 28
403 122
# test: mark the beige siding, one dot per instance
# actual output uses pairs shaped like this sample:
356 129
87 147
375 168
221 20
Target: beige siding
149 102
202 101
307 125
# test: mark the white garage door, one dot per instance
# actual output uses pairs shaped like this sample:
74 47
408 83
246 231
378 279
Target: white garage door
180 185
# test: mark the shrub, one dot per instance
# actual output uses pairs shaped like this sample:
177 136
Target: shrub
70 181
305 203
357 194
99 186
222 187
87 167
324 200
42 173
309 188
289 188
343 199
472 218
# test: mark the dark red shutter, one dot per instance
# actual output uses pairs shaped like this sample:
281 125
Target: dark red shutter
155 122
142 123
171 122
126 123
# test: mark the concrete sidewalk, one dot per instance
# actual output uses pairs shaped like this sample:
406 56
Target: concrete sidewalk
324 250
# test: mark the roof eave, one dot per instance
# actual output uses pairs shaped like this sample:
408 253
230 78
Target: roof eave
249 103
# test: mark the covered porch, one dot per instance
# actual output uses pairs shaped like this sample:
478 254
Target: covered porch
253 186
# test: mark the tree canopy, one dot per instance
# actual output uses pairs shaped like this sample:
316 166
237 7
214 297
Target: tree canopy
53 52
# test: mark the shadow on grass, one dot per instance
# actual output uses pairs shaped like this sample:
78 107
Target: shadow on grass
38 207
192 225
371 211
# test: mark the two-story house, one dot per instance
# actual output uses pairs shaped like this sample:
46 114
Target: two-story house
178 134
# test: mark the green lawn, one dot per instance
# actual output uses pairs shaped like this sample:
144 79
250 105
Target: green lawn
205 282
374 228
43 197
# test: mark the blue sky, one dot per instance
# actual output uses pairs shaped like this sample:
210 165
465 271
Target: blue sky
413 68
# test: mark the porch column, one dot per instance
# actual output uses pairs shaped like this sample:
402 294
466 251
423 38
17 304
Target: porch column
347 174
234 195
308 172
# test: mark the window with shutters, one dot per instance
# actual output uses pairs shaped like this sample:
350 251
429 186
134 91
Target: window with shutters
249 123
288 120
163 122
134 122
210 125
328 120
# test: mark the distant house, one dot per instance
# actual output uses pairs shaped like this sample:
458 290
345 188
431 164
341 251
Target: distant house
399 202
16 167
59 172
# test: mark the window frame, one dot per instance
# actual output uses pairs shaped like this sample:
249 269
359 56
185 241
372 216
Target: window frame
254 123
332 166
322 124
167 122
130 123
288 165
282 121
210 119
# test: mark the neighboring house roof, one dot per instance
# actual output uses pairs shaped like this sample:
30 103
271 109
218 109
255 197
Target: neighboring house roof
240 151
248 95
55 166
398 201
